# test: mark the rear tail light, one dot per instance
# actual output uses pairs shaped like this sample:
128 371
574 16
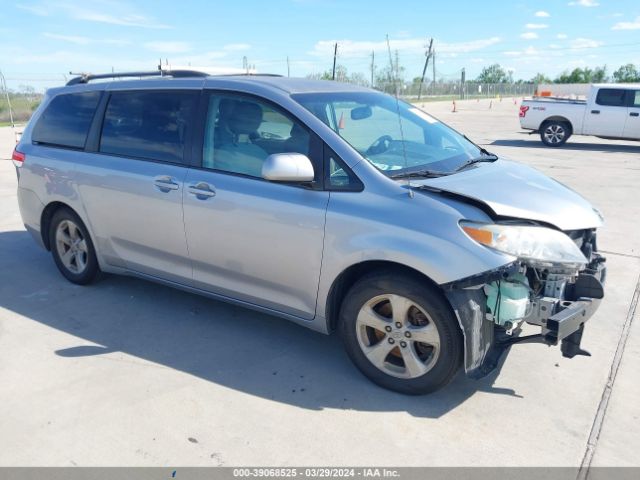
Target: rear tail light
523 110
18 158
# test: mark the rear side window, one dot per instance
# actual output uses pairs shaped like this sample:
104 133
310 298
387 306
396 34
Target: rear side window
66 120
149 125
611 97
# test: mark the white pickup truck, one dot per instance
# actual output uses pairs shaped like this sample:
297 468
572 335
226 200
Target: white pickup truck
610 111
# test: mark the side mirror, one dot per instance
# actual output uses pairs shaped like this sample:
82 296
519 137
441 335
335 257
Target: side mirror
288 167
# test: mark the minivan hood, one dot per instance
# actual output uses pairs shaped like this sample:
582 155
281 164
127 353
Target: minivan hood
514 190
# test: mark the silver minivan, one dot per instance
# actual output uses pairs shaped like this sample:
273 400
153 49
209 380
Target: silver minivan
334 206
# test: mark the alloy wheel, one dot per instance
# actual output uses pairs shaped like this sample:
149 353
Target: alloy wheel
554 133
71 247
398 336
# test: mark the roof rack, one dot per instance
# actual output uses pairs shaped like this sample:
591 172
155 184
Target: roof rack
179 73
87 77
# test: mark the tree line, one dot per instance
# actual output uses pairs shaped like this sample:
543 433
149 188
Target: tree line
388 77
628 73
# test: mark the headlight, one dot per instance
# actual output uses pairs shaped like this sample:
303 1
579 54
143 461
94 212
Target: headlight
541 246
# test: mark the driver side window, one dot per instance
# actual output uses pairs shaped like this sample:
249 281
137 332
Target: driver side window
241 132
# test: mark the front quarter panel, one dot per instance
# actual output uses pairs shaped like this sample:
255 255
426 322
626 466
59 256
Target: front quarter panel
420 232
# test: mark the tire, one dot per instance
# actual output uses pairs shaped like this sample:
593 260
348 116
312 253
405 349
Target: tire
72 249
381 319
555 133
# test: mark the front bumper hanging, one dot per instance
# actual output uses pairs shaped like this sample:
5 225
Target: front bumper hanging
562 321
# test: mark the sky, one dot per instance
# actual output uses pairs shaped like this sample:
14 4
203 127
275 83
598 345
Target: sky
41 41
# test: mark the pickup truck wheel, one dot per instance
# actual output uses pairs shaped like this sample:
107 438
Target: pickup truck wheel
554 133
401 333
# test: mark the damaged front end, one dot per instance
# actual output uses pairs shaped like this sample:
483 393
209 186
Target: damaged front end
554 287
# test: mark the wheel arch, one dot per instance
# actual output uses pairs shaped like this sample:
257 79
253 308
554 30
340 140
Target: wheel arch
343 282
557 118
45 219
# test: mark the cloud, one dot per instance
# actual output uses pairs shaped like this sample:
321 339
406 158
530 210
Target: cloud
236 47
529 52
131 20
68 38
584 3
351 49
542 13
79 40
635 25
168 47
34 9
536 26
562 36
529 35
585 43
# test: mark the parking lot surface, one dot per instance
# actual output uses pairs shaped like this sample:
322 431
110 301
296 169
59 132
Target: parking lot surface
126 372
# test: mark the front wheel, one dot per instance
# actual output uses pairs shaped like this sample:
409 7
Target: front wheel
555 133
401 333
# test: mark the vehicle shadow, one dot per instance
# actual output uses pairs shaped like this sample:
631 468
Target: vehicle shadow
238 348
570 145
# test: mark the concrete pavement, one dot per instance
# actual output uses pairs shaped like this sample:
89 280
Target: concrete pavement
126 372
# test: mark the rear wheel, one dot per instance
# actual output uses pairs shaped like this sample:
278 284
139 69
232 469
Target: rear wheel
401 333
555 133
72 248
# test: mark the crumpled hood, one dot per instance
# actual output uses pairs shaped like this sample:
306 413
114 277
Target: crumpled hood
514 190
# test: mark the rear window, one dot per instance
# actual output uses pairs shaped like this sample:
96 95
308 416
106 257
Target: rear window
148 125
66 120
612 97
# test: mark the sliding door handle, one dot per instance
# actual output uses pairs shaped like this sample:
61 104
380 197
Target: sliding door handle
201 190
165 183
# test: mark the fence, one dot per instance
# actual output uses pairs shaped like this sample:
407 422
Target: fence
457 90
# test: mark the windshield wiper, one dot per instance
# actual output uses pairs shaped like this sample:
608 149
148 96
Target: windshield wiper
419 174
486 157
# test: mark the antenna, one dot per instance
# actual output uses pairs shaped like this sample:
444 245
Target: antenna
395 83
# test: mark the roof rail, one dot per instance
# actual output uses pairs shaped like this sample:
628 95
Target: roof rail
87 77
178 73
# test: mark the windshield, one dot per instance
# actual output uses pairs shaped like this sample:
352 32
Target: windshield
394 136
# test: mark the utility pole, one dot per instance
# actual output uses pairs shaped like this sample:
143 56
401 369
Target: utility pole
288 69
426 64
434 67
462 80
335 54
397 65
373 65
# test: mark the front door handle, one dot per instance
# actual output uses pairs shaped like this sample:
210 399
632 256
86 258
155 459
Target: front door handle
595 112
202 190
634 114
165 183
